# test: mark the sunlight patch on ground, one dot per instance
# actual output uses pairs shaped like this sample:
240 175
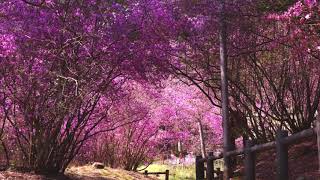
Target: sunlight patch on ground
88 172
177 172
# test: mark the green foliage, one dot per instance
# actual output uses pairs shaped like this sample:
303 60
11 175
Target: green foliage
178 172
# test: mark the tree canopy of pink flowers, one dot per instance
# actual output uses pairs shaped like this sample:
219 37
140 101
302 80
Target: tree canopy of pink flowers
128 82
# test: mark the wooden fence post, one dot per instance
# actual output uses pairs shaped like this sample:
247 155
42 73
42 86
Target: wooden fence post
199 168
249 161
167 175
318 139
210 167
219 174
282 156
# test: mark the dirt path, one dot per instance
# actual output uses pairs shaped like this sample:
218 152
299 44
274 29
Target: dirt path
89 173
79 173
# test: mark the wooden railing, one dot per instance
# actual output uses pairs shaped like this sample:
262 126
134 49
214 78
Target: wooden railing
281 144
166 173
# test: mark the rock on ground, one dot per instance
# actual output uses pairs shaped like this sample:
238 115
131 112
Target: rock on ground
98 165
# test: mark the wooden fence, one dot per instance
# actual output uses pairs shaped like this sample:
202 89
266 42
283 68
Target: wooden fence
281 144
166 173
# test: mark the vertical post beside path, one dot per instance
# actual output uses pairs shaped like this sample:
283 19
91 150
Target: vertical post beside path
318 139
199 168
249 161
210 167
282 156
167 175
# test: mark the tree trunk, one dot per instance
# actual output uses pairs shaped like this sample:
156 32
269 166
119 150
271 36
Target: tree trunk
6 153
179 147
202 143
224 90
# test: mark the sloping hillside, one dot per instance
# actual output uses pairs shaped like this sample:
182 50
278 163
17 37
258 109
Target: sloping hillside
303 162
79 173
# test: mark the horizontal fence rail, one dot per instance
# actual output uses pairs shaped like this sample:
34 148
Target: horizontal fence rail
158 173
280 144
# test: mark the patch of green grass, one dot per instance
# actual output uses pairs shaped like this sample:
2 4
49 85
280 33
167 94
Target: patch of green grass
177 172
88 172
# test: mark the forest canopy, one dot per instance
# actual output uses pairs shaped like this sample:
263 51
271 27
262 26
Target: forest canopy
88 80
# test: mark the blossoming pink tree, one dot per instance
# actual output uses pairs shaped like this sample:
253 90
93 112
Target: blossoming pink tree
65 66
62 66
159 120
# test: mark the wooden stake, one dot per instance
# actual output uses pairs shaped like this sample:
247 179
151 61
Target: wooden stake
318 140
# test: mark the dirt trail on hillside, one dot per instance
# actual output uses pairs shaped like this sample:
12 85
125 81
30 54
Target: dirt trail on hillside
79 173
89 173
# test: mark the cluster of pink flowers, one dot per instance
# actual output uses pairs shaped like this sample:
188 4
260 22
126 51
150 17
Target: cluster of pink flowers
7 45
